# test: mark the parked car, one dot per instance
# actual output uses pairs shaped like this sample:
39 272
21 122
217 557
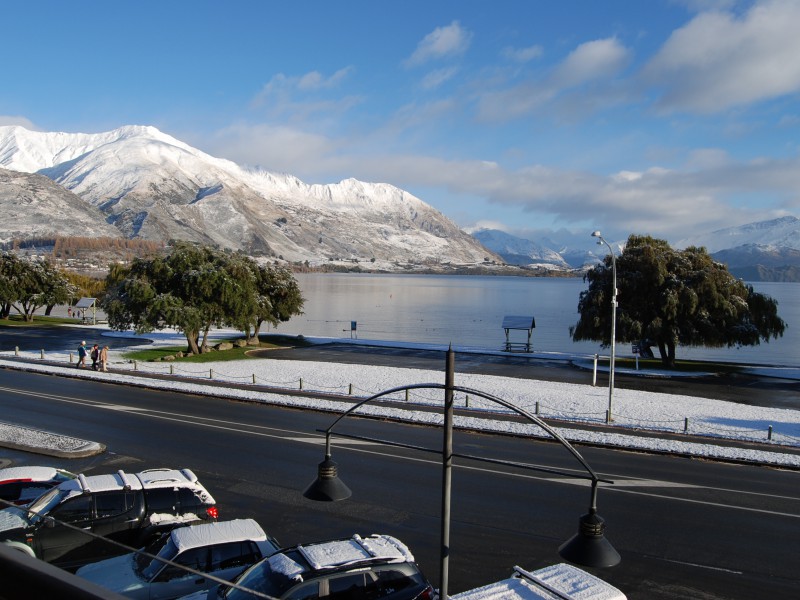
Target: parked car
223 549
131 509
374 568
23 485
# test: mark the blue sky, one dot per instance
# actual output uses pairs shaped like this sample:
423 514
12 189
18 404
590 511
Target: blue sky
665 117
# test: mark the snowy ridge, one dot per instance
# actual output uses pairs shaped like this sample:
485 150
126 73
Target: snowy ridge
150 185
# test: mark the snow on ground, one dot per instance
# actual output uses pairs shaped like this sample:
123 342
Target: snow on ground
634 412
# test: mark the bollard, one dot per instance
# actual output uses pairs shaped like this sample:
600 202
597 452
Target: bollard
254 378
172 369
42 354
537 407
685 424
594 373
466 401
301 383
769 433
16 351
637 362
406 395
608 416
135 366
70 358
211 373
350 390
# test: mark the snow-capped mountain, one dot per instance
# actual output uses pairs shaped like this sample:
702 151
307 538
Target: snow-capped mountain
147 184
783 232
519 251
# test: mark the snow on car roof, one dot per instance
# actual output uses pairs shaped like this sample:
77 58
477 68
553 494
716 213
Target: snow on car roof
565 580
27 473
152 478
220 532
356 549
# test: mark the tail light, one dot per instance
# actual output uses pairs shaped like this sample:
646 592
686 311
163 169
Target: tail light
212 512
428 594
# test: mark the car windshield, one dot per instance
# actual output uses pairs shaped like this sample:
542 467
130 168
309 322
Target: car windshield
45 503
272 576
142 560
150 567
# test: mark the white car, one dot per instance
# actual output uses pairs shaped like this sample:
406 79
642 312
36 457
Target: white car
23 485
223 549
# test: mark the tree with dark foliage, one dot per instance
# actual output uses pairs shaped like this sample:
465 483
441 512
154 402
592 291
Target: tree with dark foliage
668 297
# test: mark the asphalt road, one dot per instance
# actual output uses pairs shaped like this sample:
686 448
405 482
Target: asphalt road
684 528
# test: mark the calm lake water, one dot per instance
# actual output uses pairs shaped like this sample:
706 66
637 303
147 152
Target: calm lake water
469 310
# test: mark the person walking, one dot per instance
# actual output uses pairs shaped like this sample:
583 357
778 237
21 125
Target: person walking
95 356
82 352
104 359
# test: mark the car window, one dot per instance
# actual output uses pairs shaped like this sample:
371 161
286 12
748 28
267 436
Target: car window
161 500
110 504
195 558
74 510
395 579
308 591
188 500
233 554
347 587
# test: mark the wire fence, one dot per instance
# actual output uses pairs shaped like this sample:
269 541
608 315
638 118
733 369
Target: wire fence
778 434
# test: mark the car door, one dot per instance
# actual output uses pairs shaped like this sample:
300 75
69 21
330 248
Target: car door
117 515
55 540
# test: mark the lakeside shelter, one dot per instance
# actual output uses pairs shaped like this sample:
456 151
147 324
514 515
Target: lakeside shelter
512 323
83 305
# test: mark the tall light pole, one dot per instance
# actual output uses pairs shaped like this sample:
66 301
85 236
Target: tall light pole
601 240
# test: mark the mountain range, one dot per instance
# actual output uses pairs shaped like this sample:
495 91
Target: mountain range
761 251
137 182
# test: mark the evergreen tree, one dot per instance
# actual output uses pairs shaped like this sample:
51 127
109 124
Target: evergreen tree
668 297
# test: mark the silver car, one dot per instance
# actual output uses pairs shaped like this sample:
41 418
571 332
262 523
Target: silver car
222 549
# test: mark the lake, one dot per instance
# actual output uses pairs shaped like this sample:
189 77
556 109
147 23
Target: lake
468 311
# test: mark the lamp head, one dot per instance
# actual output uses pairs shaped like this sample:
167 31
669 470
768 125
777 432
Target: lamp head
589 547
327 487
596 234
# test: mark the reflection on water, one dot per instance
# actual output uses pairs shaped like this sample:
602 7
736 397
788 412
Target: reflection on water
469 311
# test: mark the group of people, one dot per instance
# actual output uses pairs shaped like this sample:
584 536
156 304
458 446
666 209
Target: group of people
98 355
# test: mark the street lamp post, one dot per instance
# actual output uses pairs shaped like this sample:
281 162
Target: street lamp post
601 240
588 547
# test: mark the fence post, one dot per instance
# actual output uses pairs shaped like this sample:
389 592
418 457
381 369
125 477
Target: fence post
769 433
350 390
685 424
301 383
594 371
537 407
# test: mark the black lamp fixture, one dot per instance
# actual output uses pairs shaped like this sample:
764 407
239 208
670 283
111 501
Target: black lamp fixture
589 547
327 487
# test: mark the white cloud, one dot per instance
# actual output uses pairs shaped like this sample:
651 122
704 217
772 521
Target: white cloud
591 63
436 78
598 59
282 87
442 42
11 120
720 60
523 55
